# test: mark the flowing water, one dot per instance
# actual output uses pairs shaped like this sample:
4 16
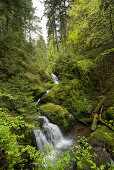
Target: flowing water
51 135
37 102
55 79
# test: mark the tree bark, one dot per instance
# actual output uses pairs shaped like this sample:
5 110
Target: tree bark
96 114
94 122
110 18
104 123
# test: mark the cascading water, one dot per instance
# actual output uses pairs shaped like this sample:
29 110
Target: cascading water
37 102
55 79
50 135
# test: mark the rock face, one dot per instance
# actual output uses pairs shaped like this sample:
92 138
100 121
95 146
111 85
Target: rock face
57 114
104 138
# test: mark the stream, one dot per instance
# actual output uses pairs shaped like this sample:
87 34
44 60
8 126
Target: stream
50 137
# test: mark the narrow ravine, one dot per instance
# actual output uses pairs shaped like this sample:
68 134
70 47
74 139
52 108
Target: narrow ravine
50 137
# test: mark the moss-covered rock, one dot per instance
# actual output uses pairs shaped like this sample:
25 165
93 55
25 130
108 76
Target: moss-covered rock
57 115
103 137
48 85
45 76
70 94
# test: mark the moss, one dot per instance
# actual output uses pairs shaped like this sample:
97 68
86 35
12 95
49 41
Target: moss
109 114
38 91
32 78
45 76
57 115
86 120
48 85
103 137
69 94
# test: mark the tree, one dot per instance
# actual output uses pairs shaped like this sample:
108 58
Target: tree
57 13
91 24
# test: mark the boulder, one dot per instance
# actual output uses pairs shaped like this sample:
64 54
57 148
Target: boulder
104 138
70 95
57 115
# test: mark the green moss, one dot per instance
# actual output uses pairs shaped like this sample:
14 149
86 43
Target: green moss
69 94
86 120
103 137
48 85
56 114
38 91
45 76
109 114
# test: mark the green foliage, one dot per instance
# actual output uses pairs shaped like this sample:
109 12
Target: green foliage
84 156
52 54
22 100
86 24
80 155
109 114
85 64
40 53
13 131
38 91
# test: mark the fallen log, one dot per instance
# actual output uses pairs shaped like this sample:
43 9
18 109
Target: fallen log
96 113
104 123
94 122
86 120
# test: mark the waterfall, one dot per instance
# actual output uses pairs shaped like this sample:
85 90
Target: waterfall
55 79
37 102
51 135
47 91
41 140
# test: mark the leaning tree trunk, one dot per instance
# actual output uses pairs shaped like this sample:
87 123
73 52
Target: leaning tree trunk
96 114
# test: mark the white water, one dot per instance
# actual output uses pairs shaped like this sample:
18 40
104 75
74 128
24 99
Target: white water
47 91
37 102
50 135
55 79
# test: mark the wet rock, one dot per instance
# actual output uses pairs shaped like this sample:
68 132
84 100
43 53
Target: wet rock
104 138
57 114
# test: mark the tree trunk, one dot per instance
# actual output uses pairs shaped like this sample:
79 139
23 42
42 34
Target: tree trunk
96 114
110 18
94 122
104 123
58 48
